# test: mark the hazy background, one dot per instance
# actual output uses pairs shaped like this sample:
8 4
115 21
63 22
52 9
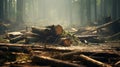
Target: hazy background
68 13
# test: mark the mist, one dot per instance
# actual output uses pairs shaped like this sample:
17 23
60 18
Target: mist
48 12
68 13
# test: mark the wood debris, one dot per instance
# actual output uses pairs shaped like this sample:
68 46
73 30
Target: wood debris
47 47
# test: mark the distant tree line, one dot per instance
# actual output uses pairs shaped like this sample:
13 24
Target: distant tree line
78 12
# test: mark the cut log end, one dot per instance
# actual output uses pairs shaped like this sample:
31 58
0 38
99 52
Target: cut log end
58 30
66 41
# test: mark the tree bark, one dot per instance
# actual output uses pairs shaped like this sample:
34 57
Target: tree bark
42 60
102 26
16 39
91 61
1 10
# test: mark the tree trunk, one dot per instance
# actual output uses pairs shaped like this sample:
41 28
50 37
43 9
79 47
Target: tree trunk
19 11
1 10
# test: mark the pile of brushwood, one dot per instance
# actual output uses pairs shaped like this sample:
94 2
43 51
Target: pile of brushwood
29 55
99 34
22 55
53 34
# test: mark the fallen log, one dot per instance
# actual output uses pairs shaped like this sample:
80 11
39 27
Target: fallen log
92 62
42 60
13 34
90 39
40 31
70 53
16 39
102 26
29 40
15 49
19 45
117 64
30 34
49 30
114 36
86 36
65 41
67 55
51 49
56 29
24 65
106 54
49 34
107 24
35 47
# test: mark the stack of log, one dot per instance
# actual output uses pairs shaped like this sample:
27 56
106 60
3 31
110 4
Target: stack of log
100 29
15 54
101 33
49 34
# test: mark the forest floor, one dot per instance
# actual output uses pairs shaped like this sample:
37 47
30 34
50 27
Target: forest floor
91 51
108 53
